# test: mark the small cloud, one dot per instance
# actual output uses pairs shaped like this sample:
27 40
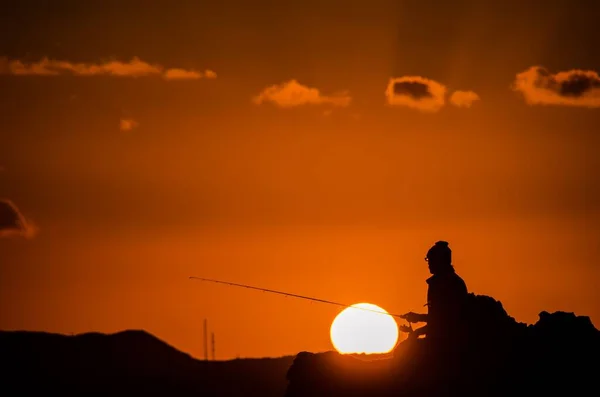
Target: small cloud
13 223
128 124
133 68
182 74
580 88
463 99
292 93
209 74
416 92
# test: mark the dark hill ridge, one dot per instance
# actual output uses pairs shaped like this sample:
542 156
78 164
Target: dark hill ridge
129 362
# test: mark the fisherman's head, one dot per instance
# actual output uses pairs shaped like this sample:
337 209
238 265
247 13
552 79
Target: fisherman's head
439 258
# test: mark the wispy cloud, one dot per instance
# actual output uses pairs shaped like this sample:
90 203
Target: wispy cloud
182 74
128 124
580 88
133 68
292 94
416 92
463 99
13 223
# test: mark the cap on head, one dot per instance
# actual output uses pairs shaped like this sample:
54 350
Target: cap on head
440 253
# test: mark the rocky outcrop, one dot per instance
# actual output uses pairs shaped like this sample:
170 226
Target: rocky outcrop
559 353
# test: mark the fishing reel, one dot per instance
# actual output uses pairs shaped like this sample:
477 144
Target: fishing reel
407 328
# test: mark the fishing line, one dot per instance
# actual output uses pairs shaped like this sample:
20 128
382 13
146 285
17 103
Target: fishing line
291 295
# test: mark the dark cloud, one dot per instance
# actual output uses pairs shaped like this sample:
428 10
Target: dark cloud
416 92
415 89
12 222
569 88
577 85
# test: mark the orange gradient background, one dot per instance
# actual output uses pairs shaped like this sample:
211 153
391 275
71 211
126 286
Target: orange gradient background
339 202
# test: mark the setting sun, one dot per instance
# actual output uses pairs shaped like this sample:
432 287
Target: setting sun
355 330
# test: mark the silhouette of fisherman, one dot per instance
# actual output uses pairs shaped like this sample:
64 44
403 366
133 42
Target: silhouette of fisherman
446 299
440 355
472 347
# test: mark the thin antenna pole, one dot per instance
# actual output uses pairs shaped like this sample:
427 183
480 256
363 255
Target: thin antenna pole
291 295
205 340
212 340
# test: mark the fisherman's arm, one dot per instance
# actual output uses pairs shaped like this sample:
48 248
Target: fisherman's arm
415 317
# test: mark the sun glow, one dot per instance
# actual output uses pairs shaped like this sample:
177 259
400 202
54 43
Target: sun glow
364 331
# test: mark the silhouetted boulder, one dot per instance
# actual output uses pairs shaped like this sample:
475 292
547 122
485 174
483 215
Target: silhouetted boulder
560 352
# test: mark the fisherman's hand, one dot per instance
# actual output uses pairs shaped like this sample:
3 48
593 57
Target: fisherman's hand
412 317
406 328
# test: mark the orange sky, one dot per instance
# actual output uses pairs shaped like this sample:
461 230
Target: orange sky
263 144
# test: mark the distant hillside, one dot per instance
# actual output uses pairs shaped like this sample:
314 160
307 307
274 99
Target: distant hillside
127 363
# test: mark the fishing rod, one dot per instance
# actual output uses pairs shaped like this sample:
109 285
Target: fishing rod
291 295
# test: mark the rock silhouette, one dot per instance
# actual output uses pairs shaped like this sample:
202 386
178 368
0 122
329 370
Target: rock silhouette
501 357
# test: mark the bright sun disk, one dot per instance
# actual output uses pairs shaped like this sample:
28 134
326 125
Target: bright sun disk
355 330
